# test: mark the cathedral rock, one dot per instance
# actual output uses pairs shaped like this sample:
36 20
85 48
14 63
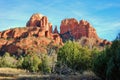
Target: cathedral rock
78 29
35 36
38 20
38 33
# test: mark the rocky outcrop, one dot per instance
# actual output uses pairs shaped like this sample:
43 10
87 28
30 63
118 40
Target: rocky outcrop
38 20
39 34
67 25
78 29
33 38
72 29
56 30
36 36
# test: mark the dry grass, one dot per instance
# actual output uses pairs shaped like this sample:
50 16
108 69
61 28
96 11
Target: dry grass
7 78
11 70
18 74
10 73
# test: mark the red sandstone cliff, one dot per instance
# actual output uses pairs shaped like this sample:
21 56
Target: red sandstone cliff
38 20
56 30
79 29
35 36
38 35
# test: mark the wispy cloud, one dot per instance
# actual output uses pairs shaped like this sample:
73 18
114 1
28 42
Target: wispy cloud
17 12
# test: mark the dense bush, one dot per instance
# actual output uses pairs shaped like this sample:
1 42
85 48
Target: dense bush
107 63
31 62
8 61
99 66
19 62
75 56
45 65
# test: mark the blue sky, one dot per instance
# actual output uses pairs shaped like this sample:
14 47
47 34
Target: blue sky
104 15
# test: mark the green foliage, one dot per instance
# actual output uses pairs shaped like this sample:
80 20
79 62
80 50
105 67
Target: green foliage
99 66
45 65
7 61
20 62
113 65
118 37
75 56
31 62
107 63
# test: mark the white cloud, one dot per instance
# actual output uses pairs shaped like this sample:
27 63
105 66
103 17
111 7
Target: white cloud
58 10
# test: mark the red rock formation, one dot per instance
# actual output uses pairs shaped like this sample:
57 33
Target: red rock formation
38 33
78 30
39 21
27 38
50 27
55 30
0 34
68 24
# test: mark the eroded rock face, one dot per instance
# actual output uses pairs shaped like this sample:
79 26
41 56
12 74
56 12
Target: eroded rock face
26 38
56 30
38 33
78 29
35 20
38 20
72 29
50 27
67 25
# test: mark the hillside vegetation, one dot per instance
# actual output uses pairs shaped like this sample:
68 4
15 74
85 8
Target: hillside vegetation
70 59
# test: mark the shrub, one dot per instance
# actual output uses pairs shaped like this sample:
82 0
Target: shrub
99 66
45 66
7 61
31 62
20 62
74 56
107 63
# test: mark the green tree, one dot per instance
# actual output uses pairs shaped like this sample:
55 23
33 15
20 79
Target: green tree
107 63
45 66
7 61
31 62
113 64
118 37
20 62
74 56
99 66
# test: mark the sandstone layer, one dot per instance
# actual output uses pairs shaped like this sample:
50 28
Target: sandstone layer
36 36
71 28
